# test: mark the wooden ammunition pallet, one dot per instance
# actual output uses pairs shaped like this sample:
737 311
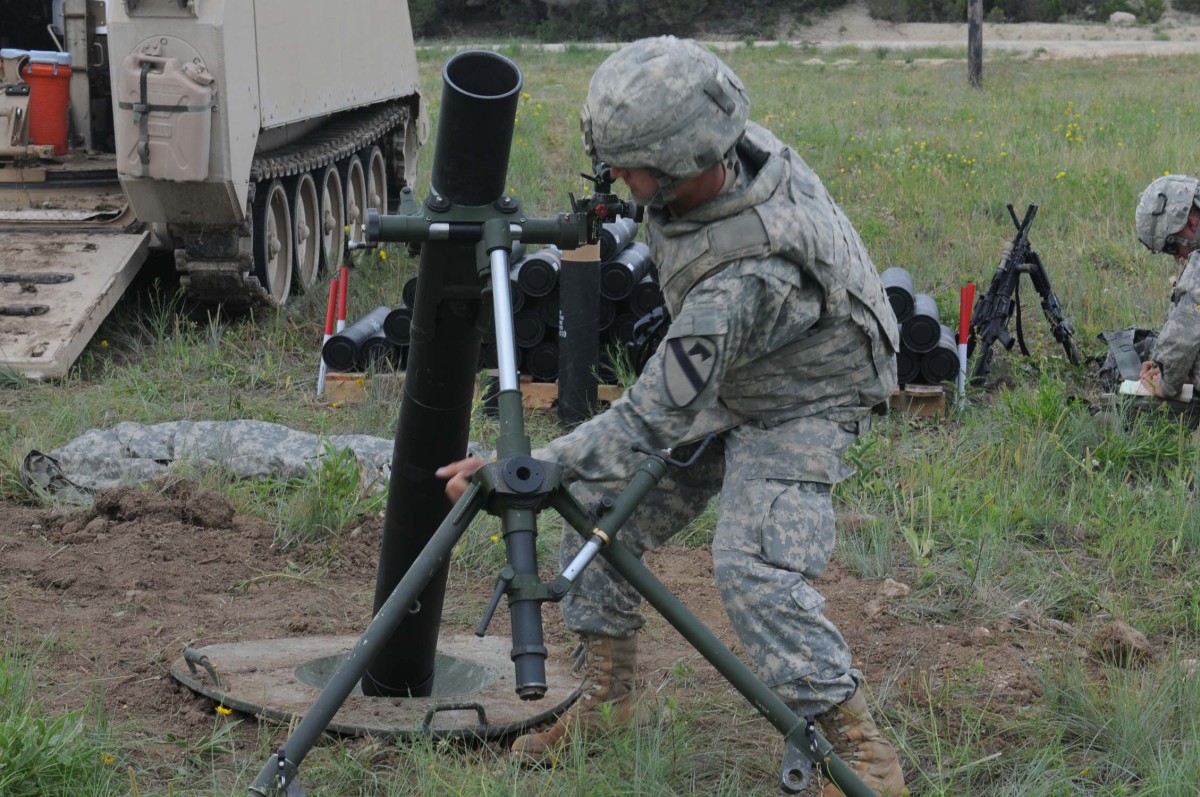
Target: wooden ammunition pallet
924 401
349 388
542 395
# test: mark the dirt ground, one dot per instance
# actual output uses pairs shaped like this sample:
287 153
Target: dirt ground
114 592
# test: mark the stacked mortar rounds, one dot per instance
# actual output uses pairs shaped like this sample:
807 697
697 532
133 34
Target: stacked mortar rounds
344 351
928 351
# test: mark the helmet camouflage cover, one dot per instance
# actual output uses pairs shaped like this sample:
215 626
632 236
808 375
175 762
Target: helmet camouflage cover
1163 209
663 104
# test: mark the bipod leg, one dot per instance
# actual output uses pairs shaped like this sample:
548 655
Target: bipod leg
799 733
278 777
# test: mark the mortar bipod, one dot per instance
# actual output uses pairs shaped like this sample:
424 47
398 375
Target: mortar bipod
515 488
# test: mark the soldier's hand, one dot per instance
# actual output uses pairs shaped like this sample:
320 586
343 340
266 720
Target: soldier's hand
1151 377
458 475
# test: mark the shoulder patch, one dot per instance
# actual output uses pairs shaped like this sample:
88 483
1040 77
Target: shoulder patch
688 365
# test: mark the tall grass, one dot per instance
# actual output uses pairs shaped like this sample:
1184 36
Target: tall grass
43 752
1021 501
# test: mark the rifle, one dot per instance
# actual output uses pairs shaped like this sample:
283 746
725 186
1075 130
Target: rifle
995 308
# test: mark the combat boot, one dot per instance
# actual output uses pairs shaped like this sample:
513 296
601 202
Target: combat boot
856 739
608 666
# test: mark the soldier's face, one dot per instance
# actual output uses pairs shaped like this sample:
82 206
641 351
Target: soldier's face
641 184
1182 251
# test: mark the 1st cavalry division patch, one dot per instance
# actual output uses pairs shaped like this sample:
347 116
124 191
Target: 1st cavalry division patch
688 367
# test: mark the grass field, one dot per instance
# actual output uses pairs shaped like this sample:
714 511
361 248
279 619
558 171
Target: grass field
1021 495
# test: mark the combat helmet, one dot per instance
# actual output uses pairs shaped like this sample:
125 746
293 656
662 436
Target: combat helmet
1162 211
666 105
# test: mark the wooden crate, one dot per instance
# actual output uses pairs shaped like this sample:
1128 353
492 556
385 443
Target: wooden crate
543 395
351 387
924 401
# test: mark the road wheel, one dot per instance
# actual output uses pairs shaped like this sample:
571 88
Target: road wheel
272 229
333 217
305 230
377 189
354 178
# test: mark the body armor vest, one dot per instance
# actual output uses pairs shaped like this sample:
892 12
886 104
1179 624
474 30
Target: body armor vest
784 211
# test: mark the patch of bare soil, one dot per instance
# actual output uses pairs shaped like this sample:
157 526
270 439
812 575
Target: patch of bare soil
118 590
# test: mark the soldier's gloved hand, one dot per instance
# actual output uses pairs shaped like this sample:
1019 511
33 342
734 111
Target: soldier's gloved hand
1006 252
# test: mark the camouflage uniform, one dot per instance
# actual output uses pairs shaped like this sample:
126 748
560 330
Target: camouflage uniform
1177 350
1162 215
781 343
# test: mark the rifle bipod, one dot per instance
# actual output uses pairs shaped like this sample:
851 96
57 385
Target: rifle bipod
995 308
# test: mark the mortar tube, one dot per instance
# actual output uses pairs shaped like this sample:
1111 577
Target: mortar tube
470 165
475 129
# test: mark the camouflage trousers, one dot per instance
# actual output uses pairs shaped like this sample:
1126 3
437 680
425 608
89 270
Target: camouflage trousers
773 537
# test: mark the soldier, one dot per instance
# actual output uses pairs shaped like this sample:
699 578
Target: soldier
782 342
1168 215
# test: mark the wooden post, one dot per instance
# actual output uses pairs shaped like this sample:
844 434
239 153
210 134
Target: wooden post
975 42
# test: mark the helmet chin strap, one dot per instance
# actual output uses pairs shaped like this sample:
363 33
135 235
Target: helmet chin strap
668 187
1190 243
668 192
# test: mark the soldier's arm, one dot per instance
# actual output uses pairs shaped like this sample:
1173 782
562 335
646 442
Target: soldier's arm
721 325
1178 344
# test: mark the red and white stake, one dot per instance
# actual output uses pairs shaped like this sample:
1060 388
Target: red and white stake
330 315
966 305
343 292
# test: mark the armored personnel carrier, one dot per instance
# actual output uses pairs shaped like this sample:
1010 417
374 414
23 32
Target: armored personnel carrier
243 136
